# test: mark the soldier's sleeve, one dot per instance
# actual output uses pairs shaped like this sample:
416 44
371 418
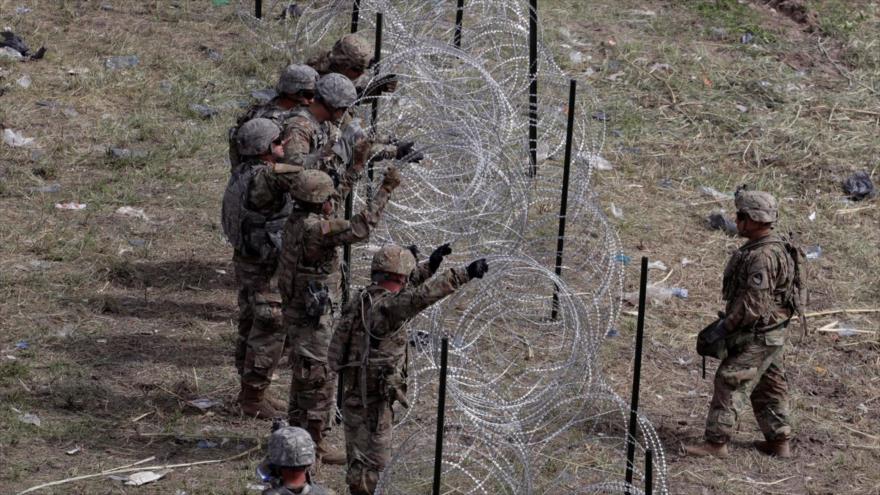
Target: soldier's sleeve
754 299
298 133
420 274
335 232
411 302
269 184
340 343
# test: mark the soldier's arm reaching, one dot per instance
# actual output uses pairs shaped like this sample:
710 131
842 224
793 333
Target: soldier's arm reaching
337 232
409 303
428 268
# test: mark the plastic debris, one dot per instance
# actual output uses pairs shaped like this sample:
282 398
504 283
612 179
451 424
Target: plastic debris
576 58
22 345
666 184
74 451
742 108
211 53
206 444
70 206
715 194
24 81
30 419
812 216
140 478
137 242
599 163
6 52
656 294
601 116
49 188
612 332
218 3
747 38
659 67
859 186
657 265
717 220
203 111
22 10
39 265
204 403
16 139
254 487
846 331
615 211
78 71
264 95
121 62
132 212
813 252
14 44
125 153
622 258
685 262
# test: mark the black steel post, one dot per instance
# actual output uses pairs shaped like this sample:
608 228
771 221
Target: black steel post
637 374
459 18
563 202
377 57
258 9
533 88
649 472
441 415
355 15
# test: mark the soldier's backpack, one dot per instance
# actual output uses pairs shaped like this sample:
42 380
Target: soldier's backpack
796 296
250 232
266 111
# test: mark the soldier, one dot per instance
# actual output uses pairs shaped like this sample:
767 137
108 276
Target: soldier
286 468
309 280
295 89
351 57
255 207
369 349
762 291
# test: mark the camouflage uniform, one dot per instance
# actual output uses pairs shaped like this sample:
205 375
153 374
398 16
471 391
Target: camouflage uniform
369 348
310 262
290 447
758 289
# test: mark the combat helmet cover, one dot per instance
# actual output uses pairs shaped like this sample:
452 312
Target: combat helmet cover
350 52
255 136
312 186
393 259
295 78
336 91
291 446
758 205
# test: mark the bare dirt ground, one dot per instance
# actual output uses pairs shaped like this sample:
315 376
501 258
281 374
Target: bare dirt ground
111 323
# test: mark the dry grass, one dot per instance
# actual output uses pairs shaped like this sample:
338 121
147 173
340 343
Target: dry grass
151 302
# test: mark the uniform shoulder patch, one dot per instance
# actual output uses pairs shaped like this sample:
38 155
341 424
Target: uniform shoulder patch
759 280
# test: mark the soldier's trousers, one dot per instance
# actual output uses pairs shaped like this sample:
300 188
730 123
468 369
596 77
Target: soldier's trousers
261 335
367 438
752 372
312 383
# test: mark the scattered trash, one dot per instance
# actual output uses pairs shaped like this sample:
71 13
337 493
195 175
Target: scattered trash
685 262
16 139
30 419
847 331
141 478
859 186
862 407
101 341
659 67
22 10
70 112
601 116
598 162
78 71
622 258
39 265
11 357
221 272
22 345
206 444
617 133
121 62
211 53
6 52
50 188
293 11
717 220
13 43
812 216
24 81
615 211
125 153
616 76
66 331
685 362
264 95
820 370
130 211
70 206
254 487
666 184
657 265
204 403
747 38
612 332
74 451
218 3
742 108
576 58
813 252
137 242
656 294
715 194
203 111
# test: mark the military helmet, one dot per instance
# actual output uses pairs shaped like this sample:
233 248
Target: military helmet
312 186
393 259
336 90
291 446
255 136
295 78
758 205
350 52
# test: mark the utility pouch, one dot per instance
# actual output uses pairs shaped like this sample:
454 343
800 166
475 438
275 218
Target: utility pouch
317 299
711 340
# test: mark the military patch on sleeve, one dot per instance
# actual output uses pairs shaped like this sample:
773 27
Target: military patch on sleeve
758 280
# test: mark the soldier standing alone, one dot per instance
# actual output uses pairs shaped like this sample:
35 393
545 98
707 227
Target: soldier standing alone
762 289
369 348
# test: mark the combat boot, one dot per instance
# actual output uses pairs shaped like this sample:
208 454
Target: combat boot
277 404
330 456
253 404
706 449
776 448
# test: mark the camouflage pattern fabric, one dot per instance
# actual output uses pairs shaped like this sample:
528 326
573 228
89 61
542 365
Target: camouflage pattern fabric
271 110
373 366
757 280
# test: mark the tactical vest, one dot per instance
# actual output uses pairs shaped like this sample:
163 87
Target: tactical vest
252 233
269 110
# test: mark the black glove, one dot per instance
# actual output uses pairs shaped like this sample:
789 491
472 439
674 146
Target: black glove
437 256
477 268
414 250
406 152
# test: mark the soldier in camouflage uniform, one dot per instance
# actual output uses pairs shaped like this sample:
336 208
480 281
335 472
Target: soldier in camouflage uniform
351 57
286 468
762 291
255 207
369 349
309 280
295 89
